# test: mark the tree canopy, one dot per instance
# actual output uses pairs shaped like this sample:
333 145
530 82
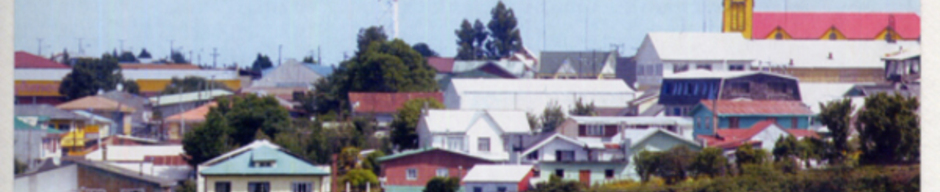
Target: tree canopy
443 184
552 117
582 109
747 154
235 122
368 35
404 128
424 50
178 57
261 62
835 115
889 130
710 162
505 37
144 54
89 75
127 56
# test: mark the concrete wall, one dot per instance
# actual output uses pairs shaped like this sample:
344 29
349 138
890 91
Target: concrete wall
58 180
278 183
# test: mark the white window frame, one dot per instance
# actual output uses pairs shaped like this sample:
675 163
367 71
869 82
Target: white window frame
411 174
297 185
442 172
484 146
595 130
455 143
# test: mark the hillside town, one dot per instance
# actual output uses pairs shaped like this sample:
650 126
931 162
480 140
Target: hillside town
822 101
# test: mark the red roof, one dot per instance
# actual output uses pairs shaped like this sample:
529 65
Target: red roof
759 107
734 137
168 160
387 102
441 64
23 59
812 25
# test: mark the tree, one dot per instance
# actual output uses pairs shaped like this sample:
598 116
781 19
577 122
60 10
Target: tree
582 109
261 62
443 184
506 38
835 115
556 184
746 154
889 130
192 84
131 86
647 164
390 67
404 127
187 186
309 59
710 162
785 148
19 167
372 162
359 178
675 163
533 121
207 140
144 54
249 113
347 160
424 50
368 35
178 57
127 56
552 117
465 39
90 75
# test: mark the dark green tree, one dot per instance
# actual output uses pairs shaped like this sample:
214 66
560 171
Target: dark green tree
533 121
130 86
309 59
479 41
368 35
90 75
786 148
251 113
582 109
424 50
710 162
556 184
675 164
372 163
506 38
747 154
192 84
187 186
347 160
404 127
207 140
647 164
261 62
19 167
359 178
144 54
465 40
552 117
835 115
443 184
889 130
127 56
178 57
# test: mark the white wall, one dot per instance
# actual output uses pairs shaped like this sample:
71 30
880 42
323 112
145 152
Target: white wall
278 183
485 127
534 103
490 186
57 180
769 137
547 152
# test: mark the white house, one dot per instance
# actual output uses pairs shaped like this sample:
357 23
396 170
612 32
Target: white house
164 161
490 134
509 178
533 95
666 53
763 134
588 127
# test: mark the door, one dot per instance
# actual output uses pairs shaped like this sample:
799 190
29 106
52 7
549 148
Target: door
585 177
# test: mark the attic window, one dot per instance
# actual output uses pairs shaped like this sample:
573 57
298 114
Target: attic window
778 35
262 164
832 36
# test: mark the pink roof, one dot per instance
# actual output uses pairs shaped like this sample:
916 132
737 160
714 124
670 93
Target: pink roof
23 59
812 25
387 102
441 64
759 107
731 138
194 115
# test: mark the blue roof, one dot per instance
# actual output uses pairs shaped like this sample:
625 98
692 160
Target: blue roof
284 164
323 70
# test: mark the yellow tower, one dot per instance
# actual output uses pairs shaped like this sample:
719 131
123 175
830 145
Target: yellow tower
738 16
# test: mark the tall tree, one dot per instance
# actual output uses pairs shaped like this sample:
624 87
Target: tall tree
552 117
250 113
479 40
144 54
835 115
261 62
424 50
675 163
369 35
309 59
207 140
465 40
889 130
404 127
90 75
786 148
647 164
582 109
131 86
127 56
506 38
178 57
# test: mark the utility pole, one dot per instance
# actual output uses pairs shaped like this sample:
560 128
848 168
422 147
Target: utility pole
190 56
80 50
214 54
40 46
171 48
279 54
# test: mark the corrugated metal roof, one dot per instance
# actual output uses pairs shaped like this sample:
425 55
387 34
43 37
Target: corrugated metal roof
506 173
23 59
589 62
135 152
903 54
815 93
699 46
43 74
126 66
854 25
44 110
706 74
95 103
427 149
441 64
188 97
284 164
759 107
458 121
634 120
540 86
195 115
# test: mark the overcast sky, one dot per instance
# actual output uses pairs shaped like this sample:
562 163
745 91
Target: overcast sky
240 29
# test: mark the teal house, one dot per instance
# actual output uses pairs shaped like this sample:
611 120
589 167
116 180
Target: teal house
262 166
743 113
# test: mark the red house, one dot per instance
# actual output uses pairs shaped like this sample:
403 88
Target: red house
411 170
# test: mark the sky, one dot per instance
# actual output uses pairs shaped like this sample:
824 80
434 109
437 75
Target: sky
241 29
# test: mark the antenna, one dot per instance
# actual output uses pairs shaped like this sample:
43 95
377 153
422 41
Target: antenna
214 54
40 46
544 26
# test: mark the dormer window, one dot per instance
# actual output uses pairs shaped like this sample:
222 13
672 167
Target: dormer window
262 164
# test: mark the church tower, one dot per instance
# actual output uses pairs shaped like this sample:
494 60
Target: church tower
738 16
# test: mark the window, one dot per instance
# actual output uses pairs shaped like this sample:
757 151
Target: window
560 173
536 173
223 186
779 87
259 187
832 36
263 163
794 122
564 155
477 189
501 189
301 187
704 67
411 174
533 156
455 143
741 87
595 130
778 35
736 67
733 122
680 68
609 173
442 172
483 144
676 111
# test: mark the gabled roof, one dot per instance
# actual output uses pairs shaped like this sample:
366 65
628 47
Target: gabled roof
323 70
284 164
44 110
699 46
194 115
588 62
854 25
500 68
734 137
250 146
165 183
458 121
547 140
376 102
641 136
97 118
126 98
441 64
758 107
429 149
23 59
554 86
95 103
188 97
633 120
506 173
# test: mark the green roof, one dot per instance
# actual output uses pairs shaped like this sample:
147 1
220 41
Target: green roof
19 124
284 164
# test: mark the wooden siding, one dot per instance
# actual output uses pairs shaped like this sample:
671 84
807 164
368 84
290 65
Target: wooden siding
427 164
